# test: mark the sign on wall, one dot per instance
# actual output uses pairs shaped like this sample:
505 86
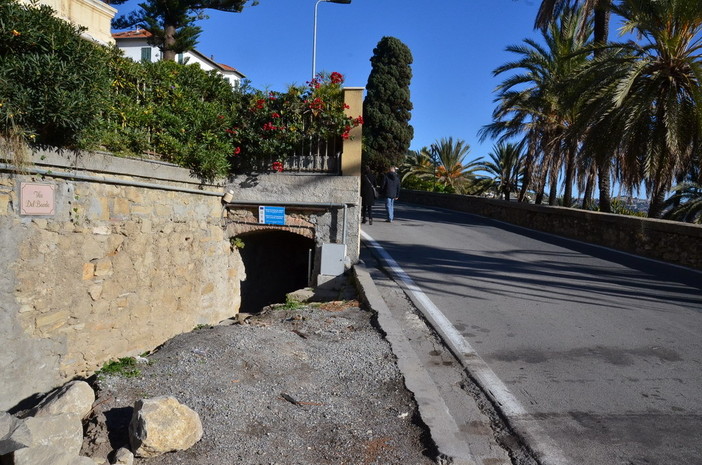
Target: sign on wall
271 215
37 199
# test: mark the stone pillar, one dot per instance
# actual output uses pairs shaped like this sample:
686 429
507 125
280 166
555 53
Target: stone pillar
351 156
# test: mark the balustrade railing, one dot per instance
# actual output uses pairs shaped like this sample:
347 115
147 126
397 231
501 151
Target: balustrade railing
316 155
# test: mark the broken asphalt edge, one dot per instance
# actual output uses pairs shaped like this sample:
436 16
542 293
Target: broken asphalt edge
444 431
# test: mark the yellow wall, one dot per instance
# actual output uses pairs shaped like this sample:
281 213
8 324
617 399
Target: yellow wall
91 14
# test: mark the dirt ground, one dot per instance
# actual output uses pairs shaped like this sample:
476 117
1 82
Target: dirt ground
295 384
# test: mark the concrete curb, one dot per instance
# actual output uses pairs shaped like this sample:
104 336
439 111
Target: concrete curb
432 408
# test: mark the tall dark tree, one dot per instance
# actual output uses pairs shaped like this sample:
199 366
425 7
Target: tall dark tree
172 22
387 107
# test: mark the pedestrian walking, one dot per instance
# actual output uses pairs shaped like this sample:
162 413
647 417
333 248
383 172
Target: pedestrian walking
368 195
390 189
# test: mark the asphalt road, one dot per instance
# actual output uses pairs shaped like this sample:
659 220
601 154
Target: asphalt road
597 353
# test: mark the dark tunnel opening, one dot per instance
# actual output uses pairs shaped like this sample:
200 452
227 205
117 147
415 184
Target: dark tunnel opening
276 262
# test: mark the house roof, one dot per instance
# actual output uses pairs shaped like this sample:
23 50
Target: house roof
134 34
144 34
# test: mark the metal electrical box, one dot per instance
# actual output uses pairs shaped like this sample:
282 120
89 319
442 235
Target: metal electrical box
333 256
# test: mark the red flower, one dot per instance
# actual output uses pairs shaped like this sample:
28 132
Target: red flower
275 115
345 135
346 107
277 166
269 127
336 78
220 116
260 103
237 151
358 120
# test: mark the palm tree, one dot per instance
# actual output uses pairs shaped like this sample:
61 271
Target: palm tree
685 204
599 12
650 94
418 163
537 105
451 171
418 170
505 169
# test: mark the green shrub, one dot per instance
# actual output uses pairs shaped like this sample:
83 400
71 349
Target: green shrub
52 82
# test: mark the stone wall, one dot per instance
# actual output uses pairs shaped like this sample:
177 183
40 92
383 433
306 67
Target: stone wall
668 241
115 270
314 208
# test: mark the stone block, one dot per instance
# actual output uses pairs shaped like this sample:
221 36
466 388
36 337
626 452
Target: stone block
120 207
134 194
142 210
75 397
103 267
95 291
88 271
5 201
52 321
162 424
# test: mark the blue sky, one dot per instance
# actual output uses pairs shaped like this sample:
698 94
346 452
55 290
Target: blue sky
455 44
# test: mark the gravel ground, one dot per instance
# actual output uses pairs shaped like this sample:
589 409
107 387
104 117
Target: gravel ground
351 406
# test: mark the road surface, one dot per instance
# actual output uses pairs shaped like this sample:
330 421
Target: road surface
594 354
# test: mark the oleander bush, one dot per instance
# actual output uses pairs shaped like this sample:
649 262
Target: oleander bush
59 89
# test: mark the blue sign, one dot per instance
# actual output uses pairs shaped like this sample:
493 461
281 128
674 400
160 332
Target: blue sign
271 215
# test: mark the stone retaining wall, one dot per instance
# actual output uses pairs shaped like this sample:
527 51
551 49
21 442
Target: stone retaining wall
668 241
115 270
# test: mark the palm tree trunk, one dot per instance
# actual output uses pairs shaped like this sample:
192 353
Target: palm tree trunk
655 208
553 188
604 181
568 181
528 167
589 187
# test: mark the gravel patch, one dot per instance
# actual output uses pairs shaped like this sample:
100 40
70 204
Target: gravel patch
317 384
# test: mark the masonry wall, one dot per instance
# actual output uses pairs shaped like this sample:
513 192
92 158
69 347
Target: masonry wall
668 241
314 207
115 271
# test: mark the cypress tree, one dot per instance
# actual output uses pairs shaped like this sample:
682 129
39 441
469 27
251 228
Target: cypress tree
386 109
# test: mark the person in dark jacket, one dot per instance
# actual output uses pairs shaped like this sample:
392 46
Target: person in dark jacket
367 195
390 189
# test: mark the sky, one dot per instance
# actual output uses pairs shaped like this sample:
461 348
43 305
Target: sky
456 44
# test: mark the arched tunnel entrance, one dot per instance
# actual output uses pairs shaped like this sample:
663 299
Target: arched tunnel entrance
276 262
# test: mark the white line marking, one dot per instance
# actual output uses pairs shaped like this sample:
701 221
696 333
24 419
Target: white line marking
508 402
478 368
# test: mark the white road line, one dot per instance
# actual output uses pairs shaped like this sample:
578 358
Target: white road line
477 367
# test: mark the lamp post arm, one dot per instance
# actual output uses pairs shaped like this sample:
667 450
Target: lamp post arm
314 40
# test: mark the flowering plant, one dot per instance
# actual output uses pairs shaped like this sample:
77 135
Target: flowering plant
275 125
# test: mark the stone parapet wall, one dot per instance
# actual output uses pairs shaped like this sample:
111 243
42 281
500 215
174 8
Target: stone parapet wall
315 205
668 241
116 270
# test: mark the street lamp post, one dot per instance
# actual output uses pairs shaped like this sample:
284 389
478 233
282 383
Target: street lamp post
314 34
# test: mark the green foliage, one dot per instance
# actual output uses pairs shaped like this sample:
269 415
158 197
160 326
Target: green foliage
387 133
292 304
236 243
269 126
125 367
178 113
172 22
52 82
685 204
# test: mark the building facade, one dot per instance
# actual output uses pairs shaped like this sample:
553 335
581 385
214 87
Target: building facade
135 45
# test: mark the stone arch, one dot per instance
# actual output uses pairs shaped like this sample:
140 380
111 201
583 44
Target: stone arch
276 262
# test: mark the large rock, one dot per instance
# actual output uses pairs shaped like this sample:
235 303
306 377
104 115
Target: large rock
122 456
9 440
63 432
162 424
48 455
76 397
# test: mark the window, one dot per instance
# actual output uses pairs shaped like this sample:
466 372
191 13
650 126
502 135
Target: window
146 54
